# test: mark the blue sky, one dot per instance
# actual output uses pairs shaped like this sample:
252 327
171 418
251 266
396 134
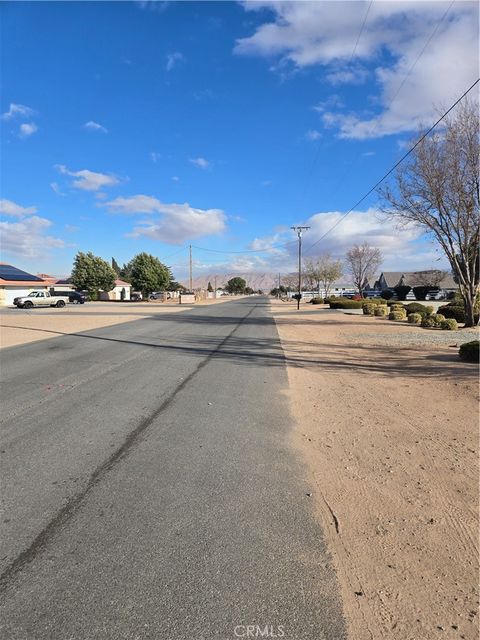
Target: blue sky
141 126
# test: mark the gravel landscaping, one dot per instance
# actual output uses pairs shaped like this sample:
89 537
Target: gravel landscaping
412 336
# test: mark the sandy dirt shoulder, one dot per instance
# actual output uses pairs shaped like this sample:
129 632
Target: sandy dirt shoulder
389 438
20 326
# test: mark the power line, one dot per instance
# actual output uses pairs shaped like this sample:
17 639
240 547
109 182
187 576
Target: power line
395 165
400 87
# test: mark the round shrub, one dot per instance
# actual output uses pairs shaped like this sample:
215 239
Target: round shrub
428 322
414 318
469 351
429 310
381 311
416 307
369 308
450 324
455 311
397 315
395 303
437 318
316 301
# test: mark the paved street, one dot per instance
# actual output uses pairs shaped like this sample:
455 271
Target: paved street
148 488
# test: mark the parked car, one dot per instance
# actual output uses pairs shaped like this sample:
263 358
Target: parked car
156 295
76 297
136 296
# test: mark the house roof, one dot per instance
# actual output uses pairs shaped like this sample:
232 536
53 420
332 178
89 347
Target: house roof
10 275
122 283
409 278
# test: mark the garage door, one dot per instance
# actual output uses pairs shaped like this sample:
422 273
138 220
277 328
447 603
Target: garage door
10 294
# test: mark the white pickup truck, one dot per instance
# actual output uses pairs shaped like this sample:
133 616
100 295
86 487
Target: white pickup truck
40 299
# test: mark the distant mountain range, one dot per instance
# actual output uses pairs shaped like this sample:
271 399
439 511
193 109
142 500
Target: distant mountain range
263 281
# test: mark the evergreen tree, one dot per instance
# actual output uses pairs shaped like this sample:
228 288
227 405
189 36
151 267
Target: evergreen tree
92 273
146 274
210 288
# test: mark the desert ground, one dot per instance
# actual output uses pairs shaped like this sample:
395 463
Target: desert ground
386 422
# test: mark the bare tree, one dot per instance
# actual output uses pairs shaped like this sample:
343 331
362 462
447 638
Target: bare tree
321 273
439 190
362 263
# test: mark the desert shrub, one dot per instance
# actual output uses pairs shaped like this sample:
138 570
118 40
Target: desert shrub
438 318
416 307
387 294
381 310
450 324
394 303
454 311
345 303
397 315
316 301
428 322
414 318
369 308
402 291
469 351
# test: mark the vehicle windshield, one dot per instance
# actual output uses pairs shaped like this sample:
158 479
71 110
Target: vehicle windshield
34 294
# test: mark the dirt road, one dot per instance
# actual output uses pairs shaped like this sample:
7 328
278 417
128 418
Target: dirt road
388 435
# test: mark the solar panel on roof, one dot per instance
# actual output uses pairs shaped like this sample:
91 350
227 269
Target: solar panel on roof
7 272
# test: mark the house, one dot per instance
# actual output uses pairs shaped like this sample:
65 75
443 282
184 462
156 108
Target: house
15 282
121 291
392 279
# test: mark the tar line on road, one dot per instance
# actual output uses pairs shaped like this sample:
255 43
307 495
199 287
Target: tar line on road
72 505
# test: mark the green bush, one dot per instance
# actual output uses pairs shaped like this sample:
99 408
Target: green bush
416 307
381 310
421 292
395 303
346 303
437 318
428 322
450 324
369 308
414 318
469 351
397 315
316 301
402 291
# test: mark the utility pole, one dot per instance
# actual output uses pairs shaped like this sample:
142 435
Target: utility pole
278 292
215 279
299 231
191 279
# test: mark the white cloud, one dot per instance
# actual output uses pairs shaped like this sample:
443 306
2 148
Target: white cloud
399 246
27 238
27 129
200 162
88 180
304 34
10 208
94 126
18 110
312 135
347 76
173 59
175 222
154 156
56 189
175 178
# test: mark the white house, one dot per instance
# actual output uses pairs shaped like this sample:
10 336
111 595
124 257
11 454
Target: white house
121 291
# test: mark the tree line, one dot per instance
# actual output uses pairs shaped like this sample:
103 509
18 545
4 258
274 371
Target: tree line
146 273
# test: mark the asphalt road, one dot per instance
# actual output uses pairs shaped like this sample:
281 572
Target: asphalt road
149 490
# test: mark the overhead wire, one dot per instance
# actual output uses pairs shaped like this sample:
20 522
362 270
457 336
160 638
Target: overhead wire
394 166
399 88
